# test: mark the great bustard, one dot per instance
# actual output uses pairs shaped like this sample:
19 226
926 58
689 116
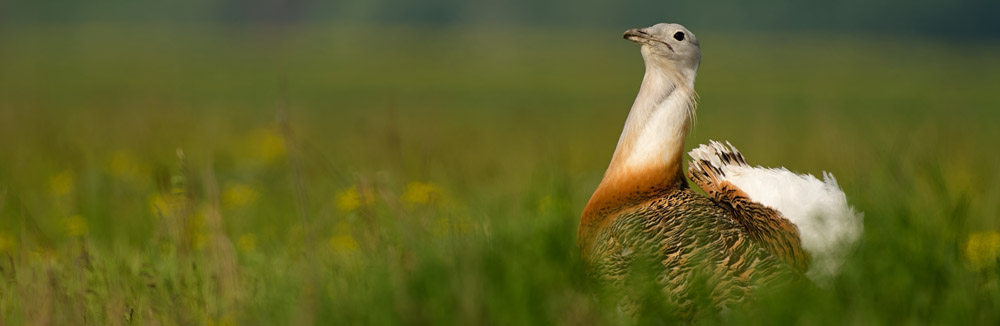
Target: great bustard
757 224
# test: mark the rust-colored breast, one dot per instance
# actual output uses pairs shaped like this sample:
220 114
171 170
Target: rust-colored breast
622 189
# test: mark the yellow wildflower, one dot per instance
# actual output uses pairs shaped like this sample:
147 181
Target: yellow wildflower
75 226
343 243
238 195
162 205
342 240
247 242
983 249
419 193
266 144
42 255
348 199
7 243
63 183
124 165
199 240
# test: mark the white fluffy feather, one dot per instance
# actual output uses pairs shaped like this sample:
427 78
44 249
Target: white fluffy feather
827 224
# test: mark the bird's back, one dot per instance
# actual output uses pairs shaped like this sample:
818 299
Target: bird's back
693 250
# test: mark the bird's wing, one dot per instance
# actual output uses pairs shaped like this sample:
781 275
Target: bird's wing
765 225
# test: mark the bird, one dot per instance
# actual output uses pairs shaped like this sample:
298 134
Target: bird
754 226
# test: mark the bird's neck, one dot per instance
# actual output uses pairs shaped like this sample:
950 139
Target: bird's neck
647 160
653 137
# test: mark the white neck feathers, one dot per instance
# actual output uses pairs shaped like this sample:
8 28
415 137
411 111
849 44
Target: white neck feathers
658 122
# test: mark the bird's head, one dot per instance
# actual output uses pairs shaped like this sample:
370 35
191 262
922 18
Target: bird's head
667 46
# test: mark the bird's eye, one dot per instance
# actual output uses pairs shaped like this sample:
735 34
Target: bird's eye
679 36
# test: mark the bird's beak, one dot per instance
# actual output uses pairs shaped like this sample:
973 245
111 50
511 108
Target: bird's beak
636 35
639 35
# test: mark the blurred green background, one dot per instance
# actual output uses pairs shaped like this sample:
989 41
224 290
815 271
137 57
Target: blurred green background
390 162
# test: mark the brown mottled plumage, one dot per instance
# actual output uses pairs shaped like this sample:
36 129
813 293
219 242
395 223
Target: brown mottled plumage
689 236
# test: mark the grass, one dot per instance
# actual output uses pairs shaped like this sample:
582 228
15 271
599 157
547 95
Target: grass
436 176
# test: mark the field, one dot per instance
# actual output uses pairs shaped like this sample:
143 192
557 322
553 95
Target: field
352 175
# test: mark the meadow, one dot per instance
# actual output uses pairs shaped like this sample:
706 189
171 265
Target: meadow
203 175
